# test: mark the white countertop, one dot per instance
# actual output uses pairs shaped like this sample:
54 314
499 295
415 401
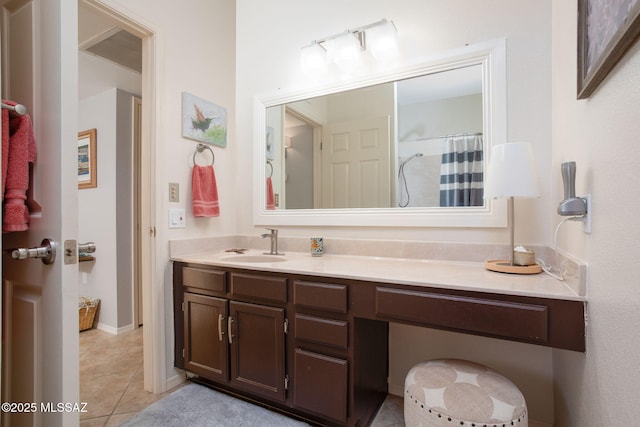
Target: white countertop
470 276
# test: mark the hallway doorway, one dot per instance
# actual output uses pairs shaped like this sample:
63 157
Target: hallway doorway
112 26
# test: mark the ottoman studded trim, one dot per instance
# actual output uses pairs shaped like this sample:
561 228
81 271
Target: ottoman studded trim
456 422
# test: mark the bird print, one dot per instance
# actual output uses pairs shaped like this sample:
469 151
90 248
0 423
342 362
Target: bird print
199 121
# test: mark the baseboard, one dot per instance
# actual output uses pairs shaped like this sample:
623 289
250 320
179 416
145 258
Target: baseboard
395 389
115 331
175 381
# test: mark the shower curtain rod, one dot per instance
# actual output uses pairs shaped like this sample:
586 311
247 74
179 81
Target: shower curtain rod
453 135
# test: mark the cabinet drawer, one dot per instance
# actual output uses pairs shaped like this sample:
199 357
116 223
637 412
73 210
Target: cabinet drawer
334 333
321 384
323 296
262 287
201 278
493 317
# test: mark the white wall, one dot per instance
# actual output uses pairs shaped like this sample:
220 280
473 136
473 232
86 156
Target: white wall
105 212
601 134
268 47
97 208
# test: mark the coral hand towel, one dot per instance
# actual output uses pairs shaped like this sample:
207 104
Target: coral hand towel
271 201
204 192
21 152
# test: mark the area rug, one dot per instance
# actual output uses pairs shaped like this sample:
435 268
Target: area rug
194 405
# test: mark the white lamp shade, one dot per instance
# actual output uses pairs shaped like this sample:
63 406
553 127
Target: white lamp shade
314 60
348 52
511 172
382 41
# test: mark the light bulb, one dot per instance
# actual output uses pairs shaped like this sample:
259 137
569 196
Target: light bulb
382 41
347 52
314 60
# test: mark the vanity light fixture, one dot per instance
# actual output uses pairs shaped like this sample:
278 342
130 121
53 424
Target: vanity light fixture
346 48
511 174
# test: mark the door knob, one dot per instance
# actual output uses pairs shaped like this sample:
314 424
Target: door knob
88 247
46 252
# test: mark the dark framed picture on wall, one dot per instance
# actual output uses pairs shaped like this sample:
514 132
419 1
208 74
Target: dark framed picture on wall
87 159
606 30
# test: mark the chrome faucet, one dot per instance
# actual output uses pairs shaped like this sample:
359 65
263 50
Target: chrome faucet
273 235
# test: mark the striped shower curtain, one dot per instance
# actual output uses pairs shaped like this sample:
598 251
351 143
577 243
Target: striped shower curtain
461 176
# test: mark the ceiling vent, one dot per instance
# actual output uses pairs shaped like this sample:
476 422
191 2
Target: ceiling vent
120 47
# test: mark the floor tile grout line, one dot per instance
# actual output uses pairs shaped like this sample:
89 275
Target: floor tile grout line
93 343
133 377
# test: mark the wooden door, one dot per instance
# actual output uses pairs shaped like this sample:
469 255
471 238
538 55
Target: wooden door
257 349
205 340
356 171
40 302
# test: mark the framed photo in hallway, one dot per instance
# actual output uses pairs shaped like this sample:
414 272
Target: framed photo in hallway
606 30
87 159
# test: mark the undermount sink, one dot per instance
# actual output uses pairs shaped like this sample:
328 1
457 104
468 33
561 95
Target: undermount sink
255 258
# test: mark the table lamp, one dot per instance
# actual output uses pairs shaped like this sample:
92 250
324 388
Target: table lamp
511 174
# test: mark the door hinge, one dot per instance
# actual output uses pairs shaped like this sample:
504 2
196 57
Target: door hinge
286 326
152 232
183 353
182 306
286 382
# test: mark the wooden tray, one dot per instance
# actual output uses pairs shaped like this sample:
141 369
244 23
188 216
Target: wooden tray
504 266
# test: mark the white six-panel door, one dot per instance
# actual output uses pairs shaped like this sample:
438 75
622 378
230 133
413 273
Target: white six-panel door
356 170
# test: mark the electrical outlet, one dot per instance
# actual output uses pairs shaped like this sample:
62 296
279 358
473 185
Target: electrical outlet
174 192
176 218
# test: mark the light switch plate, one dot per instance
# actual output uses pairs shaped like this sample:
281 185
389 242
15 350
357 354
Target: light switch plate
176 218
174 192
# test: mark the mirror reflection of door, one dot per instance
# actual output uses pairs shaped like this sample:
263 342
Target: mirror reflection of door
355 164
299 169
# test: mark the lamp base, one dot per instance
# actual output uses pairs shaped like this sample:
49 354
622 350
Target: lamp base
504 266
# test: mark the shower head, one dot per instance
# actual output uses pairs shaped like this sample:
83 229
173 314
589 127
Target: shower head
411 157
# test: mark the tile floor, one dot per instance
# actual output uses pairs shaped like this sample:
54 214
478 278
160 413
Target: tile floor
111 381
111 377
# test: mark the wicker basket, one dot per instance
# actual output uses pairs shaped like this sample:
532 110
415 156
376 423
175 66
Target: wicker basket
87 308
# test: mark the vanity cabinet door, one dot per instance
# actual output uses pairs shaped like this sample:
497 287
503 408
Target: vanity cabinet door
256 337
321 384
205 341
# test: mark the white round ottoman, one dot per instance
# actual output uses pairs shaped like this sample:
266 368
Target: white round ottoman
451 392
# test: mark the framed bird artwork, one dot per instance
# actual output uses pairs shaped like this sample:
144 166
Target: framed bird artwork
203 120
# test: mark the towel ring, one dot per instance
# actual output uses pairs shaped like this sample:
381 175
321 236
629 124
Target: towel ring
271 166
199 149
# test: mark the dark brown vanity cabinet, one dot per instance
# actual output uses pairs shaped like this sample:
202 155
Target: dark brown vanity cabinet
321 359
205 343
288 341
236 343
317 347
257 349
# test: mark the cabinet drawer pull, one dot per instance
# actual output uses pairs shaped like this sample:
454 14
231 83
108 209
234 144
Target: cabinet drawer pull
220 332
229 334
